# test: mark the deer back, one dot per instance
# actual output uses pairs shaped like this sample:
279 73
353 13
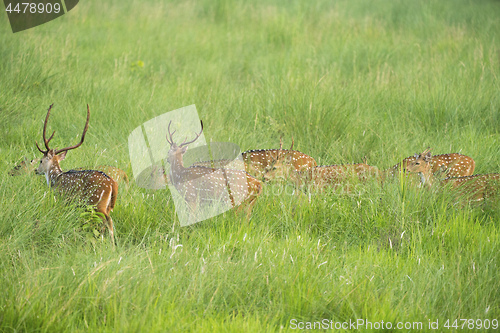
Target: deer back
117 174
86 185
273 163
324 175
223 163
334 173
453 165
475 187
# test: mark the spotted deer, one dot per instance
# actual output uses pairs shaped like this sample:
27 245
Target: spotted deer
200 185
25 167
447 165
472 187
267 164
319 177
88 186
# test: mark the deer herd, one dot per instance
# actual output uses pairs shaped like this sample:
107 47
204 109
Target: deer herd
202 182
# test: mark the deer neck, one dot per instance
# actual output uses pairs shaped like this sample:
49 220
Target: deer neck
426 178
53 173
177 169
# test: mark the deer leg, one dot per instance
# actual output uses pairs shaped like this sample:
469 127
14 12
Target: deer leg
191 211
111 229
107 223
104 207
250 205
247 206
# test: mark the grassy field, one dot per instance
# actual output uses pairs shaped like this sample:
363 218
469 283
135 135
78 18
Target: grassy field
348 79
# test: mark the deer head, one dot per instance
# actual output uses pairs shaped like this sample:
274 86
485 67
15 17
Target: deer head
422 166
52 157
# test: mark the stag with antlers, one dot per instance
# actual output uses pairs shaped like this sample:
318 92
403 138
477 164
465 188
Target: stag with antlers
89 186
202 185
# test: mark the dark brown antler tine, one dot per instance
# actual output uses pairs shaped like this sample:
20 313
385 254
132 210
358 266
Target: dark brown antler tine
83 135
427 154
171 141
51 137
197 136
45 129
291 147
42 151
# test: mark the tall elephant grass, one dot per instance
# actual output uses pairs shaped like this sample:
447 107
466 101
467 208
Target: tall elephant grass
347 79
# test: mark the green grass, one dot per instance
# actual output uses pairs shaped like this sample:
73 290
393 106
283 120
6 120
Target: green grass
348 79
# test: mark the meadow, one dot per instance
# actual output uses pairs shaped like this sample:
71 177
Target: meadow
347 79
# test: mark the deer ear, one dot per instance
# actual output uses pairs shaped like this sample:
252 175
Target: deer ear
184 149
428 156
62 155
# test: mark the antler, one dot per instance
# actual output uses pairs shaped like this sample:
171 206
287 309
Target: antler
171 141
44 130
83 135
427 154
281 143
189 142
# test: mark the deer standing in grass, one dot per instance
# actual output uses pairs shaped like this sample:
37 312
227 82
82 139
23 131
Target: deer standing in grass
267 164
202 185
474 187
89 186
452 165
